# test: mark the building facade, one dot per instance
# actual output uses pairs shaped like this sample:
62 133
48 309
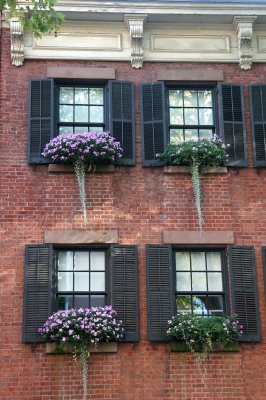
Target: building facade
150 73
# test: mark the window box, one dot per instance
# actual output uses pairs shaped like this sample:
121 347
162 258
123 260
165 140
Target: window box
181 169
58 348
69 169
177 347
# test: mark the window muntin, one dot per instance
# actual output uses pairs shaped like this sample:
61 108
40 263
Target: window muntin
191 114
80 278
199 282
81 109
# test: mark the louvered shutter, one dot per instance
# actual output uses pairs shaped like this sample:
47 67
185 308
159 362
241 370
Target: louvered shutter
264 267
258 119
125 288
37 290
160 290
122 118
153 122
233 128
244 291
41 118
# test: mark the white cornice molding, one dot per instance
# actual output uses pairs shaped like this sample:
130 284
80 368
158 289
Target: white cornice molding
135 25
17 45
244 29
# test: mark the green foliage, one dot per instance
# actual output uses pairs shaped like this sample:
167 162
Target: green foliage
200 333
38 15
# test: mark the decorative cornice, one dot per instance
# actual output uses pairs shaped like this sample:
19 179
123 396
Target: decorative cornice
244 29
17 46
135 25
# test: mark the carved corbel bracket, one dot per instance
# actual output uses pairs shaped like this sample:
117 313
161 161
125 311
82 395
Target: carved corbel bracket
244 29
17 45
135 25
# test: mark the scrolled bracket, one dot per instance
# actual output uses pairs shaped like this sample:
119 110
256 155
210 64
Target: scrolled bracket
17 45
244 29
135 25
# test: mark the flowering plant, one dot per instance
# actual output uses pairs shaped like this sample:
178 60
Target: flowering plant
202 332
82 328
199 155
85 151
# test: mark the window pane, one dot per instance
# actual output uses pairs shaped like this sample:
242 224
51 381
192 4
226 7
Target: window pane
65 260
97 281
214 262
215 283
183 282
66 113
66 95
97 300
96 129
205 133
65 130
65 281
183 303
215 305
64 302
199 283
191 134
96 114
190 98
81 282
176 136
96 95
81 114
81 301
198 261
176 116
81 129
191 116
82 260
176 98
182 261
81 96
199 305
205 116
205 98
97 260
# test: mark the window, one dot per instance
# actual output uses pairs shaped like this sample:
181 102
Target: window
191 114
62 107
199 286
196 280
176 113
81 276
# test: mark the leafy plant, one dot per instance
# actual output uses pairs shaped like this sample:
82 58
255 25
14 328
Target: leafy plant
38 15
85 151
82 328
198 155
201 333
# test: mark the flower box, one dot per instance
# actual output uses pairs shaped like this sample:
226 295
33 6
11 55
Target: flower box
56 348
176 347
181 169
69 168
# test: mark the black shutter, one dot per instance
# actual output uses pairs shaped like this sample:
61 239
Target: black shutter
153 122
37 290
244 291
122 118
125 288
233 128
41 115
160 290
258 119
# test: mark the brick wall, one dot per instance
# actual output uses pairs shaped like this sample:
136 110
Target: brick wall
140 203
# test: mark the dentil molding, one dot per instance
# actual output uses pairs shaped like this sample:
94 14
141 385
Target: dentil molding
17 45
244 29
135 25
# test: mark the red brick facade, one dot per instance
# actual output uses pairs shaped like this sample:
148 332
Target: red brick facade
140 203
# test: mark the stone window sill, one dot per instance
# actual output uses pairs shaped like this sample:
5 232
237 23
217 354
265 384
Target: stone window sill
69 169
56 348
178 347
180 169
